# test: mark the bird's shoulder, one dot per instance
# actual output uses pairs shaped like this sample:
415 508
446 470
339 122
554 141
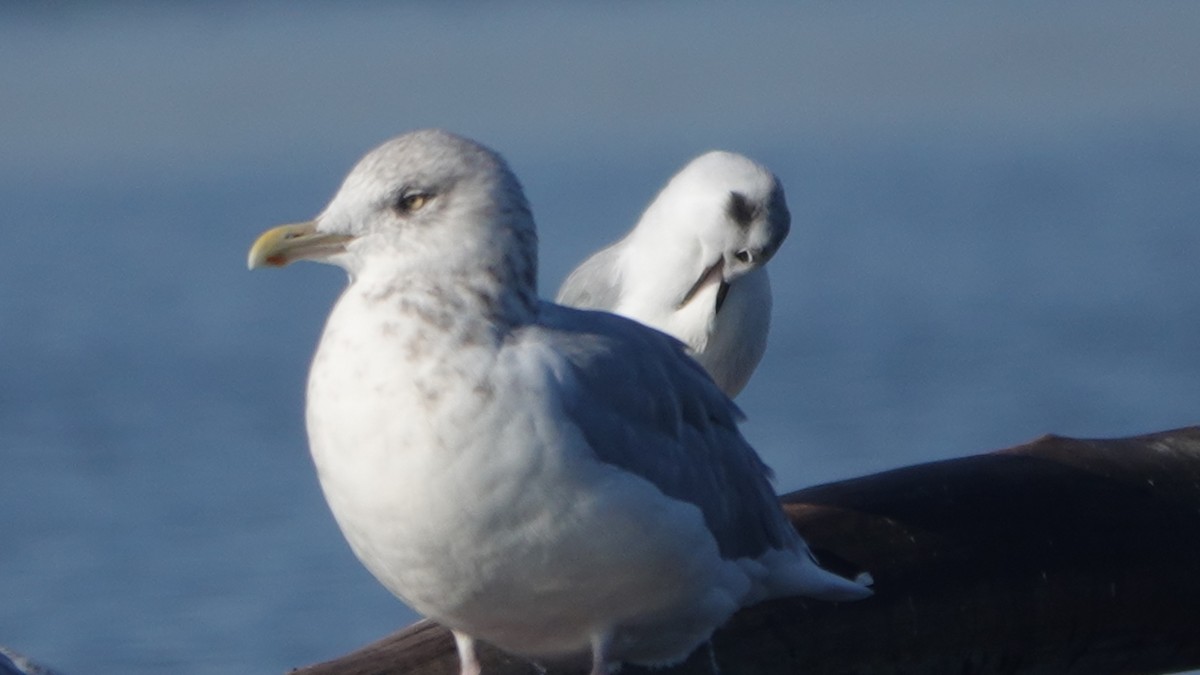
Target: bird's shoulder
595 283
617 362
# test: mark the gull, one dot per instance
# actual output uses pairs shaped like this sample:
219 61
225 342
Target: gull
557 482
694 265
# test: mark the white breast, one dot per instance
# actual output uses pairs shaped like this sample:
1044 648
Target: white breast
516 534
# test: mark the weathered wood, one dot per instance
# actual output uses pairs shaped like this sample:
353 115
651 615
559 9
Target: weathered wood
1059 556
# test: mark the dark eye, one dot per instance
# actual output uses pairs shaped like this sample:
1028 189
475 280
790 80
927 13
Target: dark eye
740 209
411 202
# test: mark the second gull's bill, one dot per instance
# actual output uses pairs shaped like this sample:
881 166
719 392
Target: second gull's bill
557 482
694 265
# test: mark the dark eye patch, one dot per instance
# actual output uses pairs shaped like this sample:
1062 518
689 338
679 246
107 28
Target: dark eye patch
740 210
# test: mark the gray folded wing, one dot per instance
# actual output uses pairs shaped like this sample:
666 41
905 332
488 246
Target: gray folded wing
595 284
646 407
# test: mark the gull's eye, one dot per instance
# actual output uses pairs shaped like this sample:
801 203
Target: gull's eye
410 202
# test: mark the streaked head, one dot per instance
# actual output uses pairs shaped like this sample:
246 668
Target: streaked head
425 199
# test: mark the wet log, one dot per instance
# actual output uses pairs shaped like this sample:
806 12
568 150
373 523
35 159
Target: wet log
1058 556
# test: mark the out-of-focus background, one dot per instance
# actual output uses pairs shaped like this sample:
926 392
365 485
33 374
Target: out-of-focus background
996 235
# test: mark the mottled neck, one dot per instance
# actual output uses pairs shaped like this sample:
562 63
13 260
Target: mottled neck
472 296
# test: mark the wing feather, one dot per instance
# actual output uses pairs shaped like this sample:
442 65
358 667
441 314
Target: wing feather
595 284
645 406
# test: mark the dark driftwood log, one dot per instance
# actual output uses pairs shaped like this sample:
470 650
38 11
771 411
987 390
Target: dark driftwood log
1060 556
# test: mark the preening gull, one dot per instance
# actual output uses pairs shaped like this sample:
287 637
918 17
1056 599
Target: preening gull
557 482
693 266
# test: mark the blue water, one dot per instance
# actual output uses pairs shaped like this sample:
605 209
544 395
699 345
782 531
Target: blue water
996 233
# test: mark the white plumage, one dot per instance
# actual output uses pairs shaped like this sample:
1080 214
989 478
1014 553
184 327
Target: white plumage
554 481
693 266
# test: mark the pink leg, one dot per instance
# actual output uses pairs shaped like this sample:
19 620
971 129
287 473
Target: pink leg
712 658
468 662
600 644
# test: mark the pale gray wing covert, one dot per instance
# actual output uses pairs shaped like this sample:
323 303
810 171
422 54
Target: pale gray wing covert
595 283
645 406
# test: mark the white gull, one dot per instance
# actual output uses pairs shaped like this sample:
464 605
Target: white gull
556 482
694 265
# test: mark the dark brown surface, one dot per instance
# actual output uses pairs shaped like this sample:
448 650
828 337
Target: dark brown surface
1059 556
